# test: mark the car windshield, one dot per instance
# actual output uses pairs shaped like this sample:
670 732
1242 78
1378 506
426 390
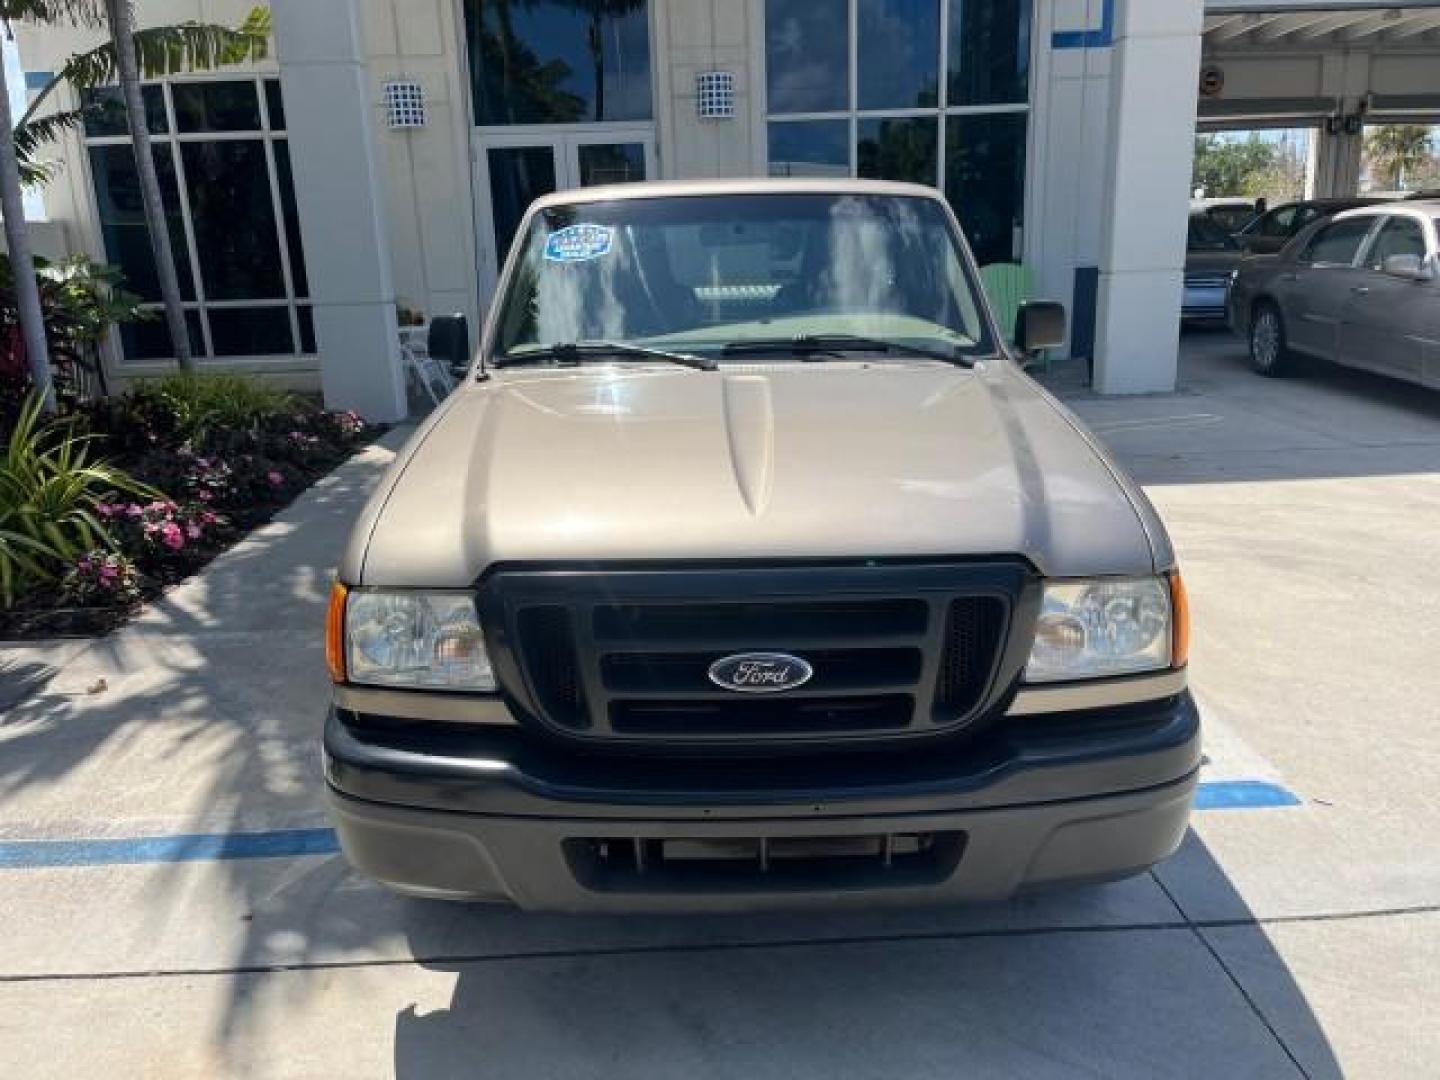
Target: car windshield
696 274
1231 218
1206 235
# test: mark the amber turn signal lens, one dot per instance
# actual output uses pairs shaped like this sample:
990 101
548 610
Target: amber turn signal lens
1180 621
335 632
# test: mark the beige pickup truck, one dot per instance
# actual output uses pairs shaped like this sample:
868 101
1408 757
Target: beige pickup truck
747 568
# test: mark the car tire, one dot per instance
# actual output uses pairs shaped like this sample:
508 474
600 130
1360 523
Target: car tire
1269 353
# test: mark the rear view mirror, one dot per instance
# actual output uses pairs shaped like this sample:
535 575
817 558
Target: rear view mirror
1410 267
449 342
1040 325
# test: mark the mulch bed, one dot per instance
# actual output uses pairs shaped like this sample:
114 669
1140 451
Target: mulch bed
271 468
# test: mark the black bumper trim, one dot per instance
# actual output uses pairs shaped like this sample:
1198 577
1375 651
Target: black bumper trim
1060 757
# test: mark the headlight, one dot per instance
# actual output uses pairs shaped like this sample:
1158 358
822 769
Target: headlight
1109 626
426 640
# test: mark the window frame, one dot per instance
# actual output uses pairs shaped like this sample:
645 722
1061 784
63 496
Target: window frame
200 304
656 40
1373 240
939 112
1305 256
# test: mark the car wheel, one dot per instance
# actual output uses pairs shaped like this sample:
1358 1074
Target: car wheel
1268 351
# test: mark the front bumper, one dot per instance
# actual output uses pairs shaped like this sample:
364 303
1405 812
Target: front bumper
1203 302
1044 801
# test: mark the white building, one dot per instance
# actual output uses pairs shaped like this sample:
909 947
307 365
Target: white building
384 153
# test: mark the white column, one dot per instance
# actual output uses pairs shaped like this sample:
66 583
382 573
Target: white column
1153 89
338 191
1337 163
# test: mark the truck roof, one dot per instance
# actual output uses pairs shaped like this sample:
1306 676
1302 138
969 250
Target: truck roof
681 188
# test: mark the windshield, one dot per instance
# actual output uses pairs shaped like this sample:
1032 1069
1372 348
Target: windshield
699 273
1206 235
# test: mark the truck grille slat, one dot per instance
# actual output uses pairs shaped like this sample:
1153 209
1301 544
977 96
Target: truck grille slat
624 657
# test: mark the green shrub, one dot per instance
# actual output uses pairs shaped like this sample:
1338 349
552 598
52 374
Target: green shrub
50 493
203 403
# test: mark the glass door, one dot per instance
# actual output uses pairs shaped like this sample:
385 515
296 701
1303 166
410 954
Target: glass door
517 177
514 168
610 157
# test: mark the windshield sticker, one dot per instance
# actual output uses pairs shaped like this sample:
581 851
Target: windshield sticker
579 243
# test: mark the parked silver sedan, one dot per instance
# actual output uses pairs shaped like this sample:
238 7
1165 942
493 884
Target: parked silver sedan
1361 289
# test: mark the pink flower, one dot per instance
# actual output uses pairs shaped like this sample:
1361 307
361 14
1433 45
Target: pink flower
108 573
203 495
275 478
172 537
192 531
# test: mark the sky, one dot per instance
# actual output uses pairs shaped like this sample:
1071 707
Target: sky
15 80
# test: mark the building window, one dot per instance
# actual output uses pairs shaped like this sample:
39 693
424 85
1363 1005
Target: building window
930 91
224 163
558 62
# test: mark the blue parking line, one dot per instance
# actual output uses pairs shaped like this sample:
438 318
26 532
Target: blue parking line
1242 795
191 847
292 843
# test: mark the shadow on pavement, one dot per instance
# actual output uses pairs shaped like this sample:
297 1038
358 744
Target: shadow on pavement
1226 423
993 991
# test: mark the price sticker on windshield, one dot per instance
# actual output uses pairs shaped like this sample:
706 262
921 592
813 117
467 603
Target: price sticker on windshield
579 243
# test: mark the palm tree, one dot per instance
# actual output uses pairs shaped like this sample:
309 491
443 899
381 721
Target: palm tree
1396 150
12 202
121 15
148 53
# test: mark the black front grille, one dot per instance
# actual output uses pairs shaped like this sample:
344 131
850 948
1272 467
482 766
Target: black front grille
798 715
895 652
972 628
548 643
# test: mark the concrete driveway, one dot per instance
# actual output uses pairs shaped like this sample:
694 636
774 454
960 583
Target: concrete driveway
173 907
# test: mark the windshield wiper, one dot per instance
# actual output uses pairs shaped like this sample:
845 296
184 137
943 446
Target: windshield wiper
836 345
573 352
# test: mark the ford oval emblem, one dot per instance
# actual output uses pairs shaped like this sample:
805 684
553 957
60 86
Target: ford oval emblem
760 672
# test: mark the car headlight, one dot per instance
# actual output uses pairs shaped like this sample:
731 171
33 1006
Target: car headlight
420 640
1106 626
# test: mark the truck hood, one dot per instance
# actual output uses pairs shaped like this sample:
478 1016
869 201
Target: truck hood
777 461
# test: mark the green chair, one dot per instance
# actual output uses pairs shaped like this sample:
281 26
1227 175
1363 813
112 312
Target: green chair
1008 285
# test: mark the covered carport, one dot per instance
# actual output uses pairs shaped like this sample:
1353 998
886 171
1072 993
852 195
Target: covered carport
1332 67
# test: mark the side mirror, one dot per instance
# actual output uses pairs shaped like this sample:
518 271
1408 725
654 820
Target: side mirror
1410 267
449 342
1039 325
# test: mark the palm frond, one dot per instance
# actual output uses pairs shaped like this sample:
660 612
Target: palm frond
74 12
31 135
166 50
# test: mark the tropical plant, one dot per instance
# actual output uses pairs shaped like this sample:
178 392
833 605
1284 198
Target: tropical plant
80 301
200 404
1396 151
51 492
129 55
102 578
